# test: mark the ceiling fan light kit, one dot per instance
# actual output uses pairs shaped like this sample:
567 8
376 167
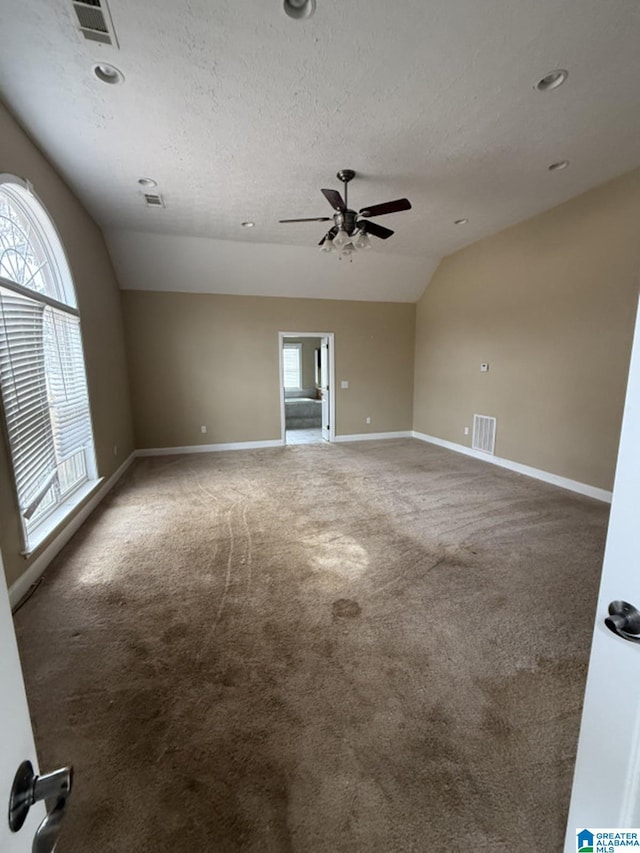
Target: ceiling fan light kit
350 233
362 241
341 239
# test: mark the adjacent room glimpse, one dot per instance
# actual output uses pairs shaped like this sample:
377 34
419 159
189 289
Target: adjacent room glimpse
305 388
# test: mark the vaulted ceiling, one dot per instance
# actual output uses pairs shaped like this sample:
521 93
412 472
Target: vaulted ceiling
241 113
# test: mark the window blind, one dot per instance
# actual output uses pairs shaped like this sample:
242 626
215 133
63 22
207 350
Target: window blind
24 395
292 366
68 395
45 401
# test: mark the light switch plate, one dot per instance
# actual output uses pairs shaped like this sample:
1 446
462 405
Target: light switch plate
344 383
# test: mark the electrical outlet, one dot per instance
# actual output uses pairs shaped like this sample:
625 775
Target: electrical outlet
203 429
484 367
344 383
368 420
466 430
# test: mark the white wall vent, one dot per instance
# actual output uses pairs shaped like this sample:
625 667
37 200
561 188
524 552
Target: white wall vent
484 433
153 200
95 21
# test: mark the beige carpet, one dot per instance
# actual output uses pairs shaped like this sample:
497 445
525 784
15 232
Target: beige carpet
378 646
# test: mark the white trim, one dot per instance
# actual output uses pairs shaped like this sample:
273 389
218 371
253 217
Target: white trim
330 336
519 468
208 448
59 513
374 436
21 586
55 245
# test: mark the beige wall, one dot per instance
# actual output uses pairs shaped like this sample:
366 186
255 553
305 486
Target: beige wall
208 359
101 316
550 304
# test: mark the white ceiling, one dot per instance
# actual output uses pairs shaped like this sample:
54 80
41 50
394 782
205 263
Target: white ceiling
241 113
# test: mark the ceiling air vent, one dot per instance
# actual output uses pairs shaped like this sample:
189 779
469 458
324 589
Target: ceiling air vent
153 200
95 21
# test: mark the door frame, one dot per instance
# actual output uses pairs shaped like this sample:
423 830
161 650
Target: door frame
332 379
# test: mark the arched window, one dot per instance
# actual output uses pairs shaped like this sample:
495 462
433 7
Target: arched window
42 374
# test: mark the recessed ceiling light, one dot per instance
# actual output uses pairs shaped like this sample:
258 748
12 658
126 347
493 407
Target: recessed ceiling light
461 222
552 80
108 73
248 224
147 182
299 9
557 167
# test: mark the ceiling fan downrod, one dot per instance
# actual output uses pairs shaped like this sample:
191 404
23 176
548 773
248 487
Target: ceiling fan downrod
346 175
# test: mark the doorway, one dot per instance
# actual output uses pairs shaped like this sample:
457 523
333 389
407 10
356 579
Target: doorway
307 387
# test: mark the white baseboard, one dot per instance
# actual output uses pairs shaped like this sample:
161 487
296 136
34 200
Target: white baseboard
527 470
208 448
20 587
374 436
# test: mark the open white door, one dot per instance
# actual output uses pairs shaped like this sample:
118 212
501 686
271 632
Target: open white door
17 738
606 787
324 384
18 747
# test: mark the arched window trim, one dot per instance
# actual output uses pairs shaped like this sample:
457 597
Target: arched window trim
23 197
49 236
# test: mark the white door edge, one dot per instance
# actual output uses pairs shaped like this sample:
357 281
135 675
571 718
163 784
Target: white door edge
606 783
16 738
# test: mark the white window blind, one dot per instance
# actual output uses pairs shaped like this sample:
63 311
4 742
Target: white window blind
292 366
42 374
24 395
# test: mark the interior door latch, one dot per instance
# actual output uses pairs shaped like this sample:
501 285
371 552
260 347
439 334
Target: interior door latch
624 620
28 789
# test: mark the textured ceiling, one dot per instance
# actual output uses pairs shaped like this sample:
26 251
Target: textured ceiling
241 113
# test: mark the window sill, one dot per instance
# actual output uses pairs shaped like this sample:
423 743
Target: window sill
51 522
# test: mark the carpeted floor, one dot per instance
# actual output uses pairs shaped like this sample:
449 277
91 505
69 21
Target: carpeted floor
348 647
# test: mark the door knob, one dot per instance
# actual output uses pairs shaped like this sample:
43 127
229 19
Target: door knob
624 620
28 789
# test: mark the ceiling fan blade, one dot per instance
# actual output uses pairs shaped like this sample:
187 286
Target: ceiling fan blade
387 207
331 233
312 219
375 229
335 199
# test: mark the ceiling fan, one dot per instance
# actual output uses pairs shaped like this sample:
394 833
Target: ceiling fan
350 231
